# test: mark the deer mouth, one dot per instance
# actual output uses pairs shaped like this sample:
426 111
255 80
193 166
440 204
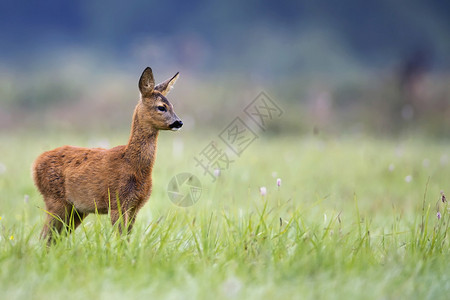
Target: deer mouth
176 125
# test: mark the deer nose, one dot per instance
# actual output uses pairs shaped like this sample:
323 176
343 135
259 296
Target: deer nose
176 125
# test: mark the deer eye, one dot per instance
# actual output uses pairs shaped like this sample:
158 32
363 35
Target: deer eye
162 108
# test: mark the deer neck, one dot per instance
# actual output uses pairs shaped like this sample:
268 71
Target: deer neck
141 148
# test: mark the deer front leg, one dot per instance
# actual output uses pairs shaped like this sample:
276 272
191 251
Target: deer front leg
126 219
123 220
116 216
132 212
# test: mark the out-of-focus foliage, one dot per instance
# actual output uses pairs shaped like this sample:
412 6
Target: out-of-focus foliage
335 65
282 35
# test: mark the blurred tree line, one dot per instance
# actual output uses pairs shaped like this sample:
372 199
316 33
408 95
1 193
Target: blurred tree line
332 59
373 32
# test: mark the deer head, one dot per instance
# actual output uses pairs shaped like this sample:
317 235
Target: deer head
154 109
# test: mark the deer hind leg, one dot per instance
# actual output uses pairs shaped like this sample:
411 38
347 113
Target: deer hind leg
56 214
59 216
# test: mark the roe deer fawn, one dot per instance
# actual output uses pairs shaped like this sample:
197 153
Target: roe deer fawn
76 181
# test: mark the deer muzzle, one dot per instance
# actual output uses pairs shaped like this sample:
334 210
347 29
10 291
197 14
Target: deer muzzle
176 125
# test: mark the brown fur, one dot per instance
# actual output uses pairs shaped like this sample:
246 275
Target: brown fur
77 181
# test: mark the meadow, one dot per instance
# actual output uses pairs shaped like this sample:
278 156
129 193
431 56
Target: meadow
354 218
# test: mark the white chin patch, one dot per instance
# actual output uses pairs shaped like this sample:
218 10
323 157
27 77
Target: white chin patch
175 129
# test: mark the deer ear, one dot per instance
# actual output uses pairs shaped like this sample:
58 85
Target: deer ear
146 82
165 87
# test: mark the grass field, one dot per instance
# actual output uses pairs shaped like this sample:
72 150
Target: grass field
354 218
